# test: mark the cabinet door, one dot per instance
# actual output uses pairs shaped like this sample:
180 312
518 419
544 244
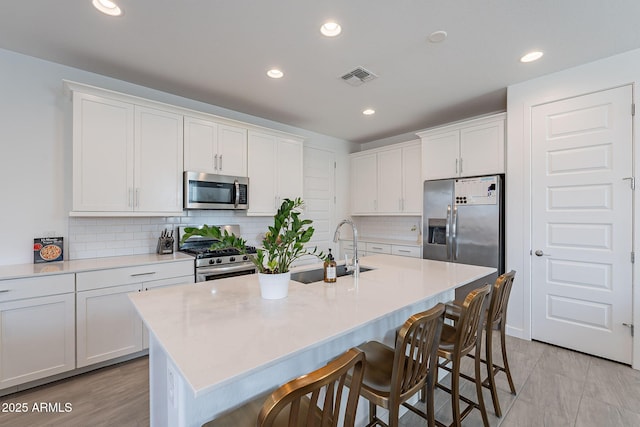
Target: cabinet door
482 149
289 176
102 154
412 184
37 338
440 155
261 164
200 142
107 324
364 170
232 150
389 194
158 161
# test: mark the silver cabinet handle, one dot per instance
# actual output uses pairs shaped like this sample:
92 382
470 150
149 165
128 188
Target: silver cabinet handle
215 162
143 274
404 251
456 165
460 164
137 204
454 232
130 199
2 291
220 164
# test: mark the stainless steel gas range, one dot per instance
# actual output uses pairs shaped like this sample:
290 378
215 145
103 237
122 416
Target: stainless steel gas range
216 264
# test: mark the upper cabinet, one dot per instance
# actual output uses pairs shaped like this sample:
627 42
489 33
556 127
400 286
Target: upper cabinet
214 147
275 171
469 148
127 158
387 181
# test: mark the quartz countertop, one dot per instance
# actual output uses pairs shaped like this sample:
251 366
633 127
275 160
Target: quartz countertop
19 271
220 331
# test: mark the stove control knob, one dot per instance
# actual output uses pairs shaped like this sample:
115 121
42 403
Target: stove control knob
218 261
244 258
232 259
210 261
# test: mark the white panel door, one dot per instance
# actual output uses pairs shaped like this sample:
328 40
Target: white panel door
364 184
200 144
581 223
440 155
319 197
262 179
412 184
482 149
232 150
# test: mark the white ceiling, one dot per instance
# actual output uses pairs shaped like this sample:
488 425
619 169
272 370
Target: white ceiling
219 51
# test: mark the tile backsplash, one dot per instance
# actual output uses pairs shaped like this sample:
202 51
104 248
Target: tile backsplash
103 237
388 227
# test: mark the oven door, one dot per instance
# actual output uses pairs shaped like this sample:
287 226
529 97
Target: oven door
204 274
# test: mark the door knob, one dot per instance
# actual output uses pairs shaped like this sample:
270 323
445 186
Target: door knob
539 253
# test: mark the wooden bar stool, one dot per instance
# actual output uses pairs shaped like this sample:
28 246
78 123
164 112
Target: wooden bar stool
458 341
295 404
392 376
496 319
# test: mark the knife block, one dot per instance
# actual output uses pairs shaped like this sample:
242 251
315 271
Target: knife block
165 245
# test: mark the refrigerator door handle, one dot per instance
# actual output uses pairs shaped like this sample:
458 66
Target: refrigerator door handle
448 232
454 233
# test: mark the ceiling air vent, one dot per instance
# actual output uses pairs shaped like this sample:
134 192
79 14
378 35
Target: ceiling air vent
358 76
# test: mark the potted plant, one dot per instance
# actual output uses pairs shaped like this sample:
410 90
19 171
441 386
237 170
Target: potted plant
283 243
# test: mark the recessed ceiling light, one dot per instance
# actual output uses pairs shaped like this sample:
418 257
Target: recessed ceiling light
437 36
531 56
107 7
369 112
330 29
274 73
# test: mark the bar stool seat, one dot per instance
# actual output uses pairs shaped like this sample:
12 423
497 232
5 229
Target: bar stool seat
298 403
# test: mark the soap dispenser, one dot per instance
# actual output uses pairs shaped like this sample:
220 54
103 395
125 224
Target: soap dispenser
330 273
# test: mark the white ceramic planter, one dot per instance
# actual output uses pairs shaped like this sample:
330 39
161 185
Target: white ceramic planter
274 286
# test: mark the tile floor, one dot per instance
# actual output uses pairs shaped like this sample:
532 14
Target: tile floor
555 388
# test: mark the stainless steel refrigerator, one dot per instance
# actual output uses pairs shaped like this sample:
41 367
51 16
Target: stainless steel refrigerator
463 222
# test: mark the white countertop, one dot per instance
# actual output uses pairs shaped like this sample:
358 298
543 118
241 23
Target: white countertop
219 331
19 271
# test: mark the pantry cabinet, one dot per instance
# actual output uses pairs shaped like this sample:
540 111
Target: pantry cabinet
127 158
107 324
469 148
387 181
37 328
215 148
275 171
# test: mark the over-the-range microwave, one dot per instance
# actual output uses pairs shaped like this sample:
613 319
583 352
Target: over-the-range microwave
211 191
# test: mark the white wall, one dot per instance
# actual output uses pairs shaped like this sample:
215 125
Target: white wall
35 163
604 74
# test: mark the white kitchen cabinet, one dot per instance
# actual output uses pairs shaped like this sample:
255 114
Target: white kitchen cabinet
275 171
37 328
378 248
469 148
387 181
127 158
214 147
107 324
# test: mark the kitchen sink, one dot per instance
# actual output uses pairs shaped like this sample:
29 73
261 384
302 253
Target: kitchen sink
317 275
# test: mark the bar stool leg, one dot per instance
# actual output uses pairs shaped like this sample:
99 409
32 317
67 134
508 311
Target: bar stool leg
504 359
478 381
455 392
490 372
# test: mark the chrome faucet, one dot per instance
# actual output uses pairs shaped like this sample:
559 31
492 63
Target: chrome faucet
355 265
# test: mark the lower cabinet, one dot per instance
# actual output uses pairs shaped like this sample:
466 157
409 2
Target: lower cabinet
108 325
37 328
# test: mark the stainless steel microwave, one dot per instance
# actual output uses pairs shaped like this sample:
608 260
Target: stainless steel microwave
211 191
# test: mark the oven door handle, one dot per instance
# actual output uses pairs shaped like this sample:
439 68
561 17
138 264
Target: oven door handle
223 270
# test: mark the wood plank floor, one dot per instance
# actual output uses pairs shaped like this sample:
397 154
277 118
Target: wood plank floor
556 387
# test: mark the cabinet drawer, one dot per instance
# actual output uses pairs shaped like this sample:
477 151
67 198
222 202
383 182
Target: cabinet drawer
128 275
378 248
32 287
410 251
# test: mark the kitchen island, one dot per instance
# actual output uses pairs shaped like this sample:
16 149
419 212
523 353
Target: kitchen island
214 345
